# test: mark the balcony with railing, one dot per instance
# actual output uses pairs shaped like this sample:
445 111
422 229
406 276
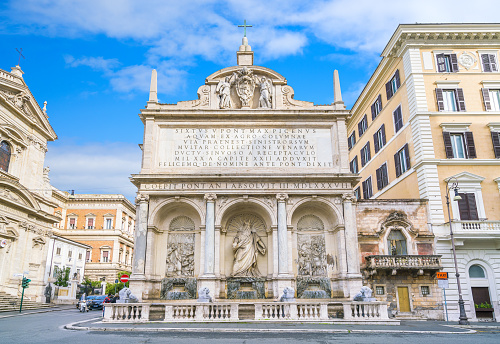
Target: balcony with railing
403 262
476 226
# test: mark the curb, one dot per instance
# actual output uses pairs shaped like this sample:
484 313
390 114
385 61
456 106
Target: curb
74 327
54 309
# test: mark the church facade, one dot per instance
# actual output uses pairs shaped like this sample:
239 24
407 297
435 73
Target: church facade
245 191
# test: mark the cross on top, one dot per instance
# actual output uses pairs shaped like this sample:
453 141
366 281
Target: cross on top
20 55
245 27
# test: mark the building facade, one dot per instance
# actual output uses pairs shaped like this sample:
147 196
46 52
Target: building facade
428 118
26 208
245 191
106 223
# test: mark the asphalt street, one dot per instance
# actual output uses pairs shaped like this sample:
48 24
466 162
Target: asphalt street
49 328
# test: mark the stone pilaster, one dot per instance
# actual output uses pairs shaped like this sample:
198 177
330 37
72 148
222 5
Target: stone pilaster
210 235
282 235
351 245
141 229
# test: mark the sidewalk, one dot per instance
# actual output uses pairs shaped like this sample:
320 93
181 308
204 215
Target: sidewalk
436 327
35 311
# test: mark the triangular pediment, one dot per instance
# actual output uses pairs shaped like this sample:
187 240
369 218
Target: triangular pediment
465 177
13 193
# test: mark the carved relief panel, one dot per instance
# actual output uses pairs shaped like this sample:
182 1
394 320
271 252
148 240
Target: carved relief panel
311 247
180 248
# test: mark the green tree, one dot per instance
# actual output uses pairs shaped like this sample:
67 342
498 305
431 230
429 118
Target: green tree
62 276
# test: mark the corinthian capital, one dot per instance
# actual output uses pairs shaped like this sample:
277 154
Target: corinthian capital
348 197
281 197
211 197
141 198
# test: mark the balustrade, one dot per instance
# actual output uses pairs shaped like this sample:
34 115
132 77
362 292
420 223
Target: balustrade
357 310
404 262
476 226
126 312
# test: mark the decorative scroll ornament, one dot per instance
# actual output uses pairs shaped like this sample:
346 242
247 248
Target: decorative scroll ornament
245 86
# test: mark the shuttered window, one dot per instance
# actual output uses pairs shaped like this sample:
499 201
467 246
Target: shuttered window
365 154
398 119
393 85
5 152
495 139
491 99
402 160
105 256
72 223
447 63
450 100
87 256
459 145
357 194
382 177
353 165
367 188
467 207
376 107
351 141
363 125
379 139
489 62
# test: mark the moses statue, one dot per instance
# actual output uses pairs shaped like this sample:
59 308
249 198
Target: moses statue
246 246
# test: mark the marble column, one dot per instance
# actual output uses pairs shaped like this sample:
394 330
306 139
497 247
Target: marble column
210 235
351 236
282 235
141 229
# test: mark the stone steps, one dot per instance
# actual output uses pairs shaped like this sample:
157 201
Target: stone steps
9 303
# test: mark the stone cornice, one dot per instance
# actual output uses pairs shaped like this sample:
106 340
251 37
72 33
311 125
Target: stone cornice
441 34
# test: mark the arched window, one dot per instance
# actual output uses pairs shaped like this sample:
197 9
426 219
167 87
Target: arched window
476 271
396 242
4 156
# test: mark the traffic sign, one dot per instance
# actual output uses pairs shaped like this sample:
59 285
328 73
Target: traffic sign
18 275
443 283
116 281
3 243
442 275
124 278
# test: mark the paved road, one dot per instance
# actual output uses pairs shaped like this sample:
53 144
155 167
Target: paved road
48 328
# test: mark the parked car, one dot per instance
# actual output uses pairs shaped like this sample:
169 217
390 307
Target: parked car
88 299
97 302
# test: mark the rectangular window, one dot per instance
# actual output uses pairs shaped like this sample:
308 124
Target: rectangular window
357 194
393 85
376 106
105 256
353 165
402 160
87 256
425 290
489 62
109 223
351 141
467 207
58 251
367 188
398 119
382 178
495 139
365 154
379 139
70 253
447 63
459 145
79 256
450 99
72 223
491 99
379 290
363 125
90 223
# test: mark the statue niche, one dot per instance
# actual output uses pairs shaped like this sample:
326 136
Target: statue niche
247 244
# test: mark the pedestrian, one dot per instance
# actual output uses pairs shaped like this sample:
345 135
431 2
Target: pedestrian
107 299
113 300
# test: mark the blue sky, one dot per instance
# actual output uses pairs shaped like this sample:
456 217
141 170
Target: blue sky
91 61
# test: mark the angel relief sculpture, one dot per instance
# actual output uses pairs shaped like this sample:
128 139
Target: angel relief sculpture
244 82
247 245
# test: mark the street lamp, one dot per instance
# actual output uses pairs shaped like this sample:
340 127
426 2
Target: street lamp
454 186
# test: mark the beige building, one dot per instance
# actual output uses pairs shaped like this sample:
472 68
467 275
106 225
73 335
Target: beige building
26 208
104 222
430 116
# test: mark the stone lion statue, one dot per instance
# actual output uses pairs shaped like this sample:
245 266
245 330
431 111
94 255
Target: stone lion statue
365 294
288 295
126 296
204 295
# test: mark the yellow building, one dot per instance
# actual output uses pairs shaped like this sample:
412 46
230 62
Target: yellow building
106 223
430 116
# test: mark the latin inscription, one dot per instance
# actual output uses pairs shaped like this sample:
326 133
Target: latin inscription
245 186
248 147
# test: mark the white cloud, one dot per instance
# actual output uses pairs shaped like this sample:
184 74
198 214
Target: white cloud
94 168
96 63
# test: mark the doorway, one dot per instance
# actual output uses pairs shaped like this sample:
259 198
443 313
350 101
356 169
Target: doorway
403 300
482 302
